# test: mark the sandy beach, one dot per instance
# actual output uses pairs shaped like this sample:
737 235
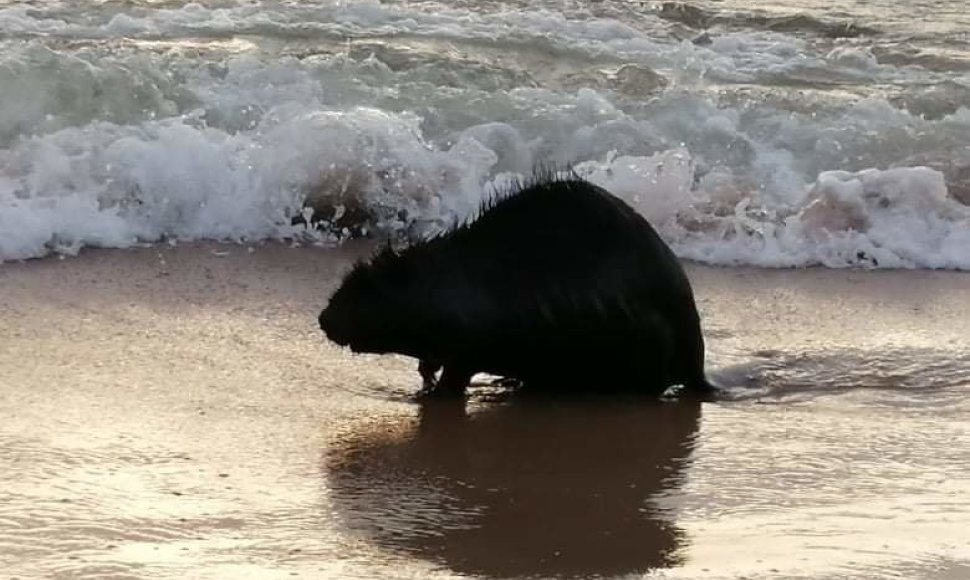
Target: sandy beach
176 413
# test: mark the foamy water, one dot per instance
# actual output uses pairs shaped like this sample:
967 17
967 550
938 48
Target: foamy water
780 136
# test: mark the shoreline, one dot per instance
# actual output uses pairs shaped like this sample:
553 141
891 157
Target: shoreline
362 247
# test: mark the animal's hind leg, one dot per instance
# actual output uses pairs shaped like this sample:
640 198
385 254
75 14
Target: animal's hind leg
428 369
455 380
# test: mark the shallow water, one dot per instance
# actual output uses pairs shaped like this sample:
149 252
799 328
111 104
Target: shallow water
740 131
172 413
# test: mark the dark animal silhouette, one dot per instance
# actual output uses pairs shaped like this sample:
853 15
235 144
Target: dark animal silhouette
521 488
558 284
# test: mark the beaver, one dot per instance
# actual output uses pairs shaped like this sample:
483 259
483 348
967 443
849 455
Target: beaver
557 284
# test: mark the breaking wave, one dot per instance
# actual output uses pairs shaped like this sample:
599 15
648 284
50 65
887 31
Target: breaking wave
133 124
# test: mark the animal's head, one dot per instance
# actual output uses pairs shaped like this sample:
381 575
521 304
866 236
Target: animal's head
369 312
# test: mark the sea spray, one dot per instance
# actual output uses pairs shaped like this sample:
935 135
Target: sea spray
131 125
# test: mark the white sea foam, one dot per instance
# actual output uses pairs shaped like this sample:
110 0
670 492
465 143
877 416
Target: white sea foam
160 123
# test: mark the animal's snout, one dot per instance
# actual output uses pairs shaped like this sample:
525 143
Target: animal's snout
331 328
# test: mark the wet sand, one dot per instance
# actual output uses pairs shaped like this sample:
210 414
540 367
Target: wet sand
176 413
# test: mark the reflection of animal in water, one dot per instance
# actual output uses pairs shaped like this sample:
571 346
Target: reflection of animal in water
523 488
559 285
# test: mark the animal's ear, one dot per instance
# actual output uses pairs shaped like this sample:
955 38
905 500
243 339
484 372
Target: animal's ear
360 275
385 255
359 268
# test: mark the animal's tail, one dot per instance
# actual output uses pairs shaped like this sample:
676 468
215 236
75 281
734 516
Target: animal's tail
701 389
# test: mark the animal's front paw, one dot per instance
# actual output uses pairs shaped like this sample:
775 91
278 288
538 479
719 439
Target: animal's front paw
428 370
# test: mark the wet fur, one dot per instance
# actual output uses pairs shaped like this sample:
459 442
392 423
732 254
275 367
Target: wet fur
557 283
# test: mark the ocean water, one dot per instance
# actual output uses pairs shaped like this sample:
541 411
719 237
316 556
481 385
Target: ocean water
774 134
